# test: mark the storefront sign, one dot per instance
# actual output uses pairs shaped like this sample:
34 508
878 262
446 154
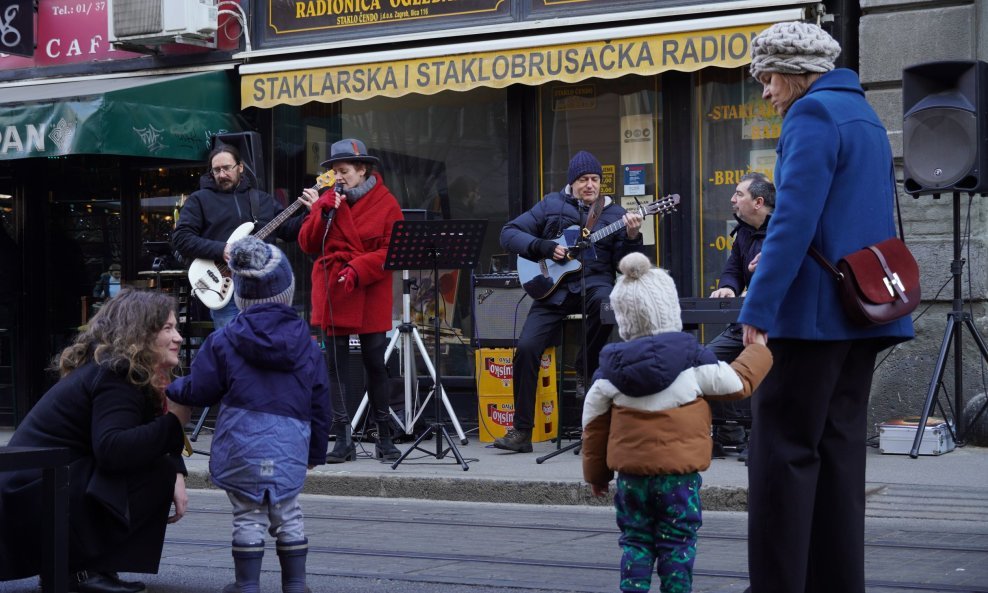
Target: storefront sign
17 27
130 121
69 32
726 48
316 15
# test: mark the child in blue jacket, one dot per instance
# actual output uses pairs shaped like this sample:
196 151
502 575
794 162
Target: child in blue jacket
269 377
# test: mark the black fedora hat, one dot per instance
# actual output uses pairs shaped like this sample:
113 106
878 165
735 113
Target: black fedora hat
349 149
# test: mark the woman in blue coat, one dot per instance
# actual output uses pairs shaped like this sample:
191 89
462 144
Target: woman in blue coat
835 191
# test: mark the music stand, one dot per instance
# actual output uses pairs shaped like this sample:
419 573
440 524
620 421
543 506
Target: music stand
431 245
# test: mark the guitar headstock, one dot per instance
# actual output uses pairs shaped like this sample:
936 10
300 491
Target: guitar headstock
660 206
325 180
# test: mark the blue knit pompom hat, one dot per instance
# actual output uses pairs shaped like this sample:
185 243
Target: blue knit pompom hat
582 163
261 273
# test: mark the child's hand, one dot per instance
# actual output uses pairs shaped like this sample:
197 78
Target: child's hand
598 490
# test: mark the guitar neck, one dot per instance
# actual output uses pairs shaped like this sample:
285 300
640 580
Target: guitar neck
282 217
607 230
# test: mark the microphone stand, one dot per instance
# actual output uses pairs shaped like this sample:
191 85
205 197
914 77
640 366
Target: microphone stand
576 446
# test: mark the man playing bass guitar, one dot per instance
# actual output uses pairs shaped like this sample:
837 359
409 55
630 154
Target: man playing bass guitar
533 236
224 201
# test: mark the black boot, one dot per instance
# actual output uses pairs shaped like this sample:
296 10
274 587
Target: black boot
102 582
247 568
516 439
344 449
385 447
292 557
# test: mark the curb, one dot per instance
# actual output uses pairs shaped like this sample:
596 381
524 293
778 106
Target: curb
467 489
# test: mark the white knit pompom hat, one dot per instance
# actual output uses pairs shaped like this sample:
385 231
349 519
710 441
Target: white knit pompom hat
644 299
793 48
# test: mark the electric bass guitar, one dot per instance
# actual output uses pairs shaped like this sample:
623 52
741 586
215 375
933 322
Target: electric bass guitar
540 278
211 281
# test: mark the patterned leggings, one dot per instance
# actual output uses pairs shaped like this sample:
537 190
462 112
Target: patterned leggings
659 517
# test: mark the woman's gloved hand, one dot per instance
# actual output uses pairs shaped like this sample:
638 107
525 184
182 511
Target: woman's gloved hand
348 278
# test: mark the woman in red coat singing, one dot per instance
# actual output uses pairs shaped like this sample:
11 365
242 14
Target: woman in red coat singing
349 229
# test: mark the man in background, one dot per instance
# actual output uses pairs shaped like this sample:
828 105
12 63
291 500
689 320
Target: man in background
752 202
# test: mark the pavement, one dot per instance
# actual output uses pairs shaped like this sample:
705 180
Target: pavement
953 485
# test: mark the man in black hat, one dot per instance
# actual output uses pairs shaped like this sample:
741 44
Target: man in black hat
224 201
532 236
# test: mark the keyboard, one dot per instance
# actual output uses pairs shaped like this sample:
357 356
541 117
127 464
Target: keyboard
694 311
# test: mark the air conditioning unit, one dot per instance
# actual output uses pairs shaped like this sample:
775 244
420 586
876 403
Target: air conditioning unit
156 22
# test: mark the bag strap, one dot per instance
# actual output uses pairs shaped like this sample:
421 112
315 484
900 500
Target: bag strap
823 261
837 274
898 209
892 282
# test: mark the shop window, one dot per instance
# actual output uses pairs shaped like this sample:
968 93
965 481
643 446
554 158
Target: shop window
445 154
738 131
619 122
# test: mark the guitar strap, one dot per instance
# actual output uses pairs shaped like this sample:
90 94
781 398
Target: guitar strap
255 204
595 209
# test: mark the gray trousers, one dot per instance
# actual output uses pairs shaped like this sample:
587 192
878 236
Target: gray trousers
251 520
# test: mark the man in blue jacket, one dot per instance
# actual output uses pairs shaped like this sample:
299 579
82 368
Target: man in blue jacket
533 236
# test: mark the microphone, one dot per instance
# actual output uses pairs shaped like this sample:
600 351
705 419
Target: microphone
330 212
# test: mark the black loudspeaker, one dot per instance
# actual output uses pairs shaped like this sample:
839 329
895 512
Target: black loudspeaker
248 144
945 127
499 307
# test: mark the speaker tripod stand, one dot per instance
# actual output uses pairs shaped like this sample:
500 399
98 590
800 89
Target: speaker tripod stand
403 339
435 244
957 319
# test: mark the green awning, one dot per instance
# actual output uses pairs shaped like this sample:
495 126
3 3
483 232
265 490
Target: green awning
169 116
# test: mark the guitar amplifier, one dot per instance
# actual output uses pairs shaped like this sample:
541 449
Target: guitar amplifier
499 308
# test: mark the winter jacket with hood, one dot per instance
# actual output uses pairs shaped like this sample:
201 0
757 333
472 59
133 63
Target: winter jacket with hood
528 234
209 216
269 377
645 413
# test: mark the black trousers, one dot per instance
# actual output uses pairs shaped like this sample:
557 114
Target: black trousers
542 329
372 347
806 468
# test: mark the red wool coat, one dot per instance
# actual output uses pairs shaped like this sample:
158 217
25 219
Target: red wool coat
358 237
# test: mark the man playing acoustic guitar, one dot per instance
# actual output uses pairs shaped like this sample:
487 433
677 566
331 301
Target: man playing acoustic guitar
225 200
533 236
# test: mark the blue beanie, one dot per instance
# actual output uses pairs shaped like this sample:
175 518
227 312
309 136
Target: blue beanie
582 163
261 273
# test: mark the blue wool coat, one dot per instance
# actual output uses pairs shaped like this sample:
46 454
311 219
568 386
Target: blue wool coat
269 377
834 188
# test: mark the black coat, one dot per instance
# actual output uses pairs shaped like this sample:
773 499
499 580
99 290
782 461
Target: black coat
126 454
209 216
747 244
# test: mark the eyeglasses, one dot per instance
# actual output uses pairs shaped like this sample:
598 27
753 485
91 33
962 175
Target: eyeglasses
222 169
